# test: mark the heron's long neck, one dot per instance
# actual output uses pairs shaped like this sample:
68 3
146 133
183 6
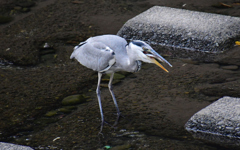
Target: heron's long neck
131 60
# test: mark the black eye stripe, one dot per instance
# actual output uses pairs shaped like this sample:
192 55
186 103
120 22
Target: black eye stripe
140 44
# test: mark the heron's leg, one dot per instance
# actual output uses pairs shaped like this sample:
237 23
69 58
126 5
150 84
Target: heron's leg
99 100
114 99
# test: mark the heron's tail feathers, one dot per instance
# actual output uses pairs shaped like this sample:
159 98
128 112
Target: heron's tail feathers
75 49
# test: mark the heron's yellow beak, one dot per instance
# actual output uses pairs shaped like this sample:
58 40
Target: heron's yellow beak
154 57
158 64
237 43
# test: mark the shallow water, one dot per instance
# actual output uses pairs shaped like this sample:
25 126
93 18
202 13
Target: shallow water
155 112
156 105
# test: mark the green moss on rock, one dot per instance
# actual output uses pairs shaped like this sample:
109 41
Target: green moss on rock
73 100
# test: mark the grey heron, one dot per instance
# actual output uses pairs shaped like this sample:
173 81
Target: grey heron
111 53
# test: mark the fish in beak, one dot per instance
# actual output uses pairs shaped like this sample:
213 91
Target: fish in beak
156 58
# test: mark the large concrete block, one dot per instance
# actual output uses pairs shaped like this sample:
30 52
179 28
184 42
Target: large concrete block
9 146
218 122
183 30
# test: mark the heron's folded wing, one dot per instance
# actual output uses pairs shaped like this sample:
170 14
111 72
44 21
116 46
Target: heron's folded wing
94 55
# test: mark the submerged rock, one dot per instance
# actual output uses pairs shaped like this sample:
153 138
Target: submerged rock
118 77
51 113
67 109
73 100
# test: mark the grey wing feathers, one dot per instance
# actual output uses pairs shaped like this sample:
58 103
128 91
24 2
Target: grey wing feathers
94 55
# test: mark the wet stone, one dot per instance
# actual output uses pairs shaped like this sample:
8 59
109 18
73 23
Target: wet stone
65 110
116 79
73 100
117 76
51 113
218 122
25 10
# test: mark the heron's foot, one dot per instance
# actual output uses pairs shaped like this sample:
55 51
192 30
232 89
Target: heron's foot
119 115
101 127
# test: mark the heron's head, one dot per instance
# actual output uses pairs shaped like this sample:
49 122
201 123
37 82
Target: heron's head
145 53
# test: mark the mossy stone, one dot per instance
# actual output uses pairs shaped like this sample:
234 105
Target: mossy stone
64 110
118 76
25 9
73 100
51 113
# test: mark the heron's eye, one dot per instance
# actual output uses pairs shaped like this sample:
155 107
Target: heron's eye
145 50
